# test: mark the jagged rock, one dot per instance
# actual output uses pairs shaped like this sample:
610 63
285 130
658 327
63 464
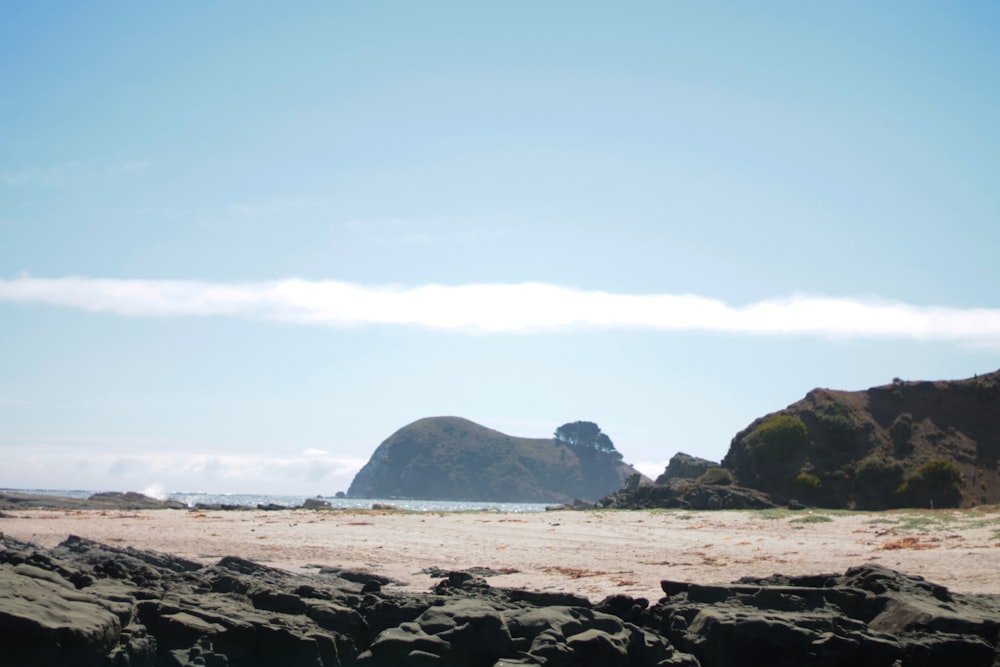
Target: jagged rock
44 620
579 636
68 606
316 504
680 494
131 500
460 632
107 501
685 466
868 616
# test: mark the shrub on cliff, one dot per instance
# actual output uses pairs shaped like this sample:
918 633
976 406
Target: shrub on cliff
778 438
877 480
937 482
807 484
837 417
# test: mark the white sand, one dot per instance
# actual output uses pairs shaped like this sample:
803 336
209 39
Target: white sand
589 553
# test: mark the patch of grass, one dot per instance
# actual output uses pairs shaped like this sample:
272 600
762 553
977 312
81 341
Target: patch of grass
984 522
775 514
807 484
812 518
919 520
778 438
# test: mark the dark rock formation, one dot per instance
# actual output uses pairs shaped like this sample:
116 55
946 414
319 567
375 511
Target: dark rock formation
905 444
449 458
680 494
685 466
689 483
84 604
108 500
868 616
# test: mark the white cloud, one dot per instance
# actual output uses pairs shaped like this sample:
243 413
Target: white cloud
314 452
102 464
524 307
651 469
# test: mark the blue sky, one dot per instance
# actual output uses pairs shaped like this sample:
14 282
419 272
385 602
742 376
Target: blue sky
241 244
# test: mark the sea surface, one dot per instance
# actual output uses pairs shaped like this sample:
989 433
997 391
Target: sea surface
252 500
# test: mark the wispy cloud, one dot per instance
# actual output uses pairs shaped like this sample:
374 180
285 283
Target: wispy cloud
525 307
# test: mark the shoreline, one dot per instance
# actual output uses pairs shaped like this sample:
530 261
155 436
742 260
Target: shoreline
588 553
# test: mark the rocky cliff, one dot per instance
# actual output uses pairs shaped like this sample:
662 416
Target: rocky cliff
904 444
450 458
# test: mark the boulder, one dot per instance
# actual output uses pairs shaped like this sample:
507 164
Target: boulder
868 616
44 620
685 466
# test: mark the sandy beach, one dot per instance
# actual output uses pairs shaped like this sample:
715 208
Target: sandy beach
588 553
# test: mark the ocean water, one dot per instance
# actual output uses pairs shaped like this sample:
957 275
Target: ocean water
252 500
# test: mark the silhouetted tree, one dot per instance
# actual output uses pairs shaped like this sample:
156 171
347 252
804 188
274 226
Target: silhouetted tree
586 435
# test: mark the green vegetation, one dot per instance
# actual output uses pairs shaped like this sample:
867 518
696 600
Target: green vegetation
807 484
901 432
988 385
837 417
775 514
812 518
587 435
940 473
778 438
877 479
936 483
923 521
717 476
876 471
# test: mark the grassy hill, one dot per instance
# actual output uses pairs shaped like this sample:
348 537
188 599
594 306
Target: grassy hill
450 458
904 444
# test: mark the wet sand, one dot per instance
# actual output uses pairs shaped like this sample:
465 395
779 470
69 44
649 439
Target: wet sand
588 553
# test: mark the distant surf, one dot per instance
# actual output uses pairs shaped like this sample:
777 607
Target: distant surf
250 500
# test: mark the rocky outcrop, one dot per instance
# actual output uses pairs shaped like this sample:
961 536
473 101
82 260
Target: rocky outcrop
684 466
86 604
868 616
11 500
689 483
904 444
449 458
679 494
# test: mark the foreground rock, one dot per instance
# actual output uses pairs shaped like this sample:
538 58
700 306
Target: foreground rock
87 604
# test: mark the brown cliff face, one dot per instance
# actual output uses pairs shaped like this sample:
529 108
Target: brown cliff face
903 444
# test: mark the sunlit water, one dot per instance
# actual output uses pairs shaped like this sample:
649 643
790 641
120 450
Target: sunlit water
253 500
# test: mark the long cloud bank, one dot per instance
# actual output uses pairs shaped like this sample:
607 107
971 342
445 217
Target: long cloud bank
524 307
